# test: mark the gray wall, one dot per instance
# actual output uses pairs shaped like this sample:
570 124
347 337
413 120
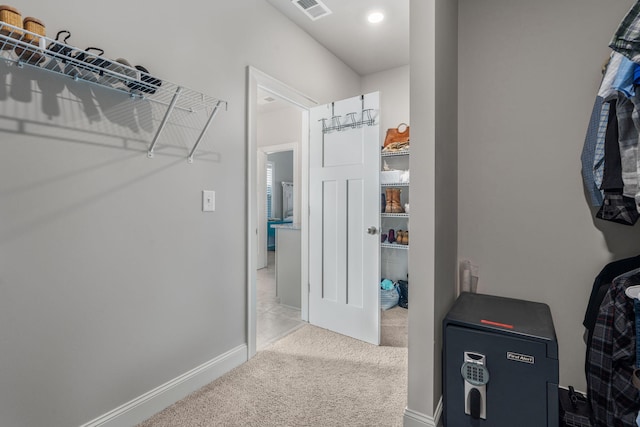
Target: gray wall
394 90
529 73
112 280
283 171
433 195
281 126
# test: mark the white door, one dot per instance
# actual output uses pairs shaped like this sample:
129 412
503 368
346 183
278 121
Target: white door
344 217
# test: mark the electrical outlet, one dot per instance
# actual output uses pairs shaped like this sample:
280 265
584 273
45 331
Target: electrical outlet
208 201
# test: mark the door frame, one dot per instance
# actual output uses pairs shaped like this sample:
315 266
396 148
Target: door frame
258 79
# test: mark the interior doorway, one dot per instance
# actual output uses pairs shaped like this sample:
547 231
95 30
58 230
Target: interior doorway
276 313
259 84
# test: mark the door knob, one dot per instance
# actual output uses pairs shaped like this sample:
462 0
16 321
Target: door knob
372 230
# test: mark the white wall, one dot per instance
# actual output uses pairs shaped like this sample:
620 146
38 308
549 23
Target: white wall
529 73
394 90
282 126
112 280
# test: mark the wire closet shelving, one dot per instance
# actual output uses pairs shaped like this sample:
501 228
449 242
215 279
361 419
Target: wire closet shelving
26 48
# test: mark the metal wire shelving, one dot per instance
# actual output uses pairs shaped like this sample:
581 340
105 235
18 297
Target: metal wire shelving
395 184
394 215
394 153
394 246
25 48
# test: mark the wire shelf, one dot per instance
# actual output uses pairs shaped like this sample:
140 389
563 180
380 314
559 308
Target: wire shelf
397 184
394 246
394 153
394 215
26 48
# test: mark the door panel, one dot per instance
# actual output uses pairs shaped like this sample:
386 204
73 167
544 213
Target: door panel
342 149
344 202
355 249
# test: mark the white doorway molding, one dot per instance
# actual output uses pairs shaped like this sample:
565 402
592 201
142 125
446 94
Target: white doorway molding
256 79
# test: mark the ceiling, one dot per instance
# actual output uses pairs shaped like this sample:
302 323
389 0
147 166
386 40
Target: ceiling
366 48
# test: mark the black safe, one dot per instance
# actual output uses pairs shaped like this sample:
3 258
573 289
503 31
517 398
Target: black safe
500 363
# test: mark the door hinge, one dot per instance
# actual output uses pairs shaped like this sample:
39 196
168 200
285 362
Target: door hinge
309 288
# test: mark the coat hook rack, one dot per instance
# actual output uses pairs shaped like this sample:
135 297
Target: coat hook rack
366 119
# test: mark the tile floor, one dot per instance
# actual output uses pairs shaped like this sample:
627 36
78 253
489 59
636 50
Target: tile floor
274 320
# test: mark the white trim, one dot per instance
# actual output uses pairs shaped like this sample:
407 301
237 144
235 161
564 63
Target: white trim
417 419
257 79
304 216
281 90
152 402
437 416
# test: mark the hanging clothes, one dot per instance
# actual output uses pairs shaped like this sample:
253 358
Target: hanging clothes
595 129
601 285
622 74
626 39
613 398
615 206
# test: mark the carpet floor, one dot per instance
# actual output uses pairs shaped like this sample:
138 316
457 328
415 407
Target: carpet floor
312 377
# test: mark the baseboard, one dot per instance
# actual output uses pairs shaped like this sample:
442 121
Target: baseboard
417 419
152 402
437 416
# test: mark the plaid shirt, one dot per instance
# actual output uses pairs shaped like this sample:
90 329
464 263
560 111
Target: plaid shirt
628 127
626 40
614 400
598 149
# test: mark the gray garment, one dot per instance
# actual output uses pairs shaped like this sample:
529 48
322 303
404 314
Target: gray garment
628 112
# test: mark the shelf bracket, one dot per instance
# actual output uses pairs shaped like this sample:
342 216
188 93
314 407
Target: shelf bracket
164 121
204 130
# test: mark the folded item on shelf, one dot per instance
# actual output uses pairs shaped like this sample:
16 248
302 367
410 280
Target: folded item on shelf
396 146
390 177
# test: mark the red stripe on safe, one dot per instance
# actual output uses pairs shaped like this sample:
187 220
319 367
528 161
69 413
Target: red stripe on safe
501 325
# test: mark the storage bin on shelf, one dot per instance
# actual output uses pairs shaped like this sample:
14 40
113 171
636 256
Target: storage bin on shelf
10 15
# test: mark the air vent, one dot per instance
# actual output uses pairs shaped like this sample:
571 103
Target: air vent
264 100
314 9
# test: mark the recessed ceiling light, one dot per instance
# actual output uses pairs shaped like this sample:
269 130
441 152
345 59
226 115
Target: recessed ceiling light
375 17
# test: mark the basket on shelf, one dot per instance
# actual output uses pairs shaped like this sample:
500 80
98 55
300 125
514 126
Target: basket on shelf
10 15
33 25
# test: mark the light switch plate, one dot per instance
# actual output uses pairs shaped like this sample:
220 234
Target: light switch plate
208 201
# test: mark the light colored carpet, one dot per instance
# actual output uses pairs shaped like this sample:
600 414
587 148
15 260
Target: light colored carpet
394 327
312 377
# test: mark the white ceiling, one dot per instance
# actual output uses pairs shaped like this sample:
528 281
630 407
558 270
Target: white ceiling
366 48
